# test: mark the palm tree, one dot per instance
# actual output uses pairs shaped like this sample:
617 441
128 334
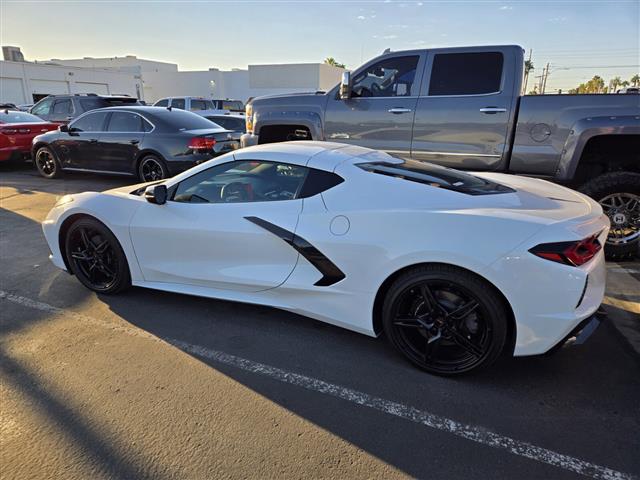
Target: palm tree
332 61
635 80
615 82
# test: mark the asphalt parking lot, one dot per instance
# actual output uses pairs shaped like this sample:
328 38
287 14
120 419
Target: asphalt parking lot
156 385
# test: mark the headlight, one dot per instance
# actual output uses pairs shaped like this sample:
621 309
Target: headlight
249 118
64 200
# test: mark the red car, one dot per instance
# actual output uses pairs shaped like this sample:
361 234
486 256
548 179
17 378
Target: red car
17 129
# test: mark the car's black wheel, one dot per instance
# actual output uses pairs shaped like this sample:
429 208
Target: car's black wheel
619 195
445 320
96 257
47 163
151 168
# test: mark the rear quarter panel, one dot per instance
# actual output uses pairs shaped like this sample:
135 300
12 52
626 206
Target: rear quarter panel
551 130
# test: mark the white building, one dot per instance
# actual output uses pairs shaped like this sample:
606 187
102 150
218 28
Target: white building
23 82
150 80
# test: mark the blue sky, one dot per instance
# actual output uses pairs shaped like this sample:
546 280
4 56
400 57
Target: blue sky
578 38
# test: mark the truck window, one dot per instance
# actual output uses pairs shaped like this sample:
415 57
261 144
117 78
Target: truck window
466 73
391 77
177 103
162 103
198 105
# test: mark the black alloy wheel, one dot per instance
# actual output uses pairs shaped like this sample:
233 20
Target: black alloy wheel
445 320
96 257
47 163
152 169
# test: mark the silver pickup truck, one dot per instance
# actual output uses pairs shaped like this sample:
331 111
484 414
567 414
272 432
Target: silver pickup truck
461 107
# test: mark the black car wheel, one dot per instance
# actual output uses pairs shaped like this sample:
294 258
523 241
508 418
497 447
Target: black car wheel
619 195
47 163
96 257
151 168
445 320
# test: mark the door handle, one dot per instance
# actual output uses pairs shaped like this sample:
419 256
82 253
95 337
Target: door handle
134 142
399 110
93 140
492 110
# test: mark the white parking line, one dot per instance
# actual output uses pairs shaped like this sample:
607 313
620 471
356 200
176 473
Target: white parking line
476 434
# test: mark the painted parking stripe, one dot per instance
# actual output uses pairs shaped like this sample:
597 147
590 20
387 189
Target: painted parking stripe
476 434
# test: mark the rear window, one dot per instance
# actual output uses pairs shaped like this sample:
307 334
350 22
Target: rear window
177 103
436 176
230 123
466 73
183 120
9 116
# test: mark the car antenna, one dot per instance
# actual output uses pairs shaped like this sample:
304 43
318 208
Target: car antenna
169 108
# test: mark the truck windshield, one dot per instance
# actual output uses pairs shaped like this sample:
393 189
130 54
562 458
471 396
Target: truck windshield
436 176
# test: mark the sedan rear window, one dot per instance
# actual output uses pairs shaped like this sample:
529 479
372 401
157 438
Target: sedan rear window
183 120
10 116
437 176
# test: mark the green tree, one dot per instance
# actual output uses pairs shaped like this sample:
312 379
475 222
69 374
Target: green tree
332 61
624 84
595 85
635 80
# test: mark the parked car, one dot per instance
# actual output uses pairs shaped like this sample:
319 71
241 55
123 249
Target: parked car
629 90
17 130
235 123
456 269
461 107
152 143
200 105
64 108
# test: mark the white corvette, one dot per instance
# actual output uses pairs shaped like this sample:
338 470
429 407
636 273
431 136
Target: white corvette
454 268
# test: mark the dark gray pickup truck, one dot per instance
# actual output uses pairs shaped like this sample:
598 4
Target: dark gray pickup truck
461 107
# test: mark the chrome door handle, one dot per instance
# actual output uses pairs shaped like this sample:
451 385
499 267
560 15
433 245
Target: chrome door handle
399 110
93 140
491 110
134 142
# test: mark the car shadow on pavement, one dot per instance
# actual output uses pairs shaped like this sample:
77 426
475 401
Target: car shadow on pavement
510 396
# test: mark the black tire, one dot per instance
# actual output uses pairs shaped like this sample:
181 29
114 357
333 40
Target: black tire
423 319
612 190
152 168
47 163
96 257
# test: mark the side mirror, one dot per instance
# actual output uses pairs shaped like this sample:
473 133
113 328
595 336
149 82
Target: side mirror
156 194
345 86
64 128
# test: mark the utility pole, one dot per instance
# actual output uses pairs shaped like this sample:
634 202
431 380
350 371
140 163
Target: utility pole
526 75
544 79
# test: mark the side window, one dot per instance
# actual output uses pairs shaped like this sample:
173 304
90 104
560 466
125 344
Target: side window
61 107
391 77
125 122
243 181
92 122
198 105
162 103
177 103
42 108
466 73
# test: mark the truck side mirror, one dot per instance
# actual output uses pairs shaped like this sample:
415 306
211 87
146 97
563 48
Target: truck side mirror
345 86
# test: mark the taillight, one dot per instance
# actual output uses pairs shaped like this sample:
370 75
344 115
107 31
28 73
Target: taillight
202 143
13 131
570 253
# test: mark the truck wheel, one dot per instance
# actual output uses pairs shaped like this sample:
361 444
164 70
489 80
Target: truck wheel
619 195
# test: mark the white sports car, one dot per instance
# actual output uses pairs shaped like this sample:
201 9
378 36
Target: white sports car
454 268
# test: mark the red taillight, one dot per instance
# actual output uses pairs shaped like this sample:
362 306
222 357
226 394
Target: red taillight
570 253
202 143
14 130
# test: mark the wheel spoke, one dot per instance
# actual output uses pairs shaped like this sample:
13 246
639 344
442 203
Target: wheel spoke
432 346
102 247
464 310
429 299
465 343
106 270
85 239
82 256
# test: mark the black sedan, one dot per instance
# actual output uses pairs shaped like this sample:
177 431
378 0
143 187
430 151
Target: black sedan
150 142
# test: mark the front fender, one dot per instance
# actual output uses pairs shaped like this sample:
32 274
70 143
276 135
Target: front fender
311 120
585 129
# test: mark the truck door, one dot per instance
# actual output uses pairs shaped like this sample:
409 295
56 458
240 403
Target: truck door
465 108
380 112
